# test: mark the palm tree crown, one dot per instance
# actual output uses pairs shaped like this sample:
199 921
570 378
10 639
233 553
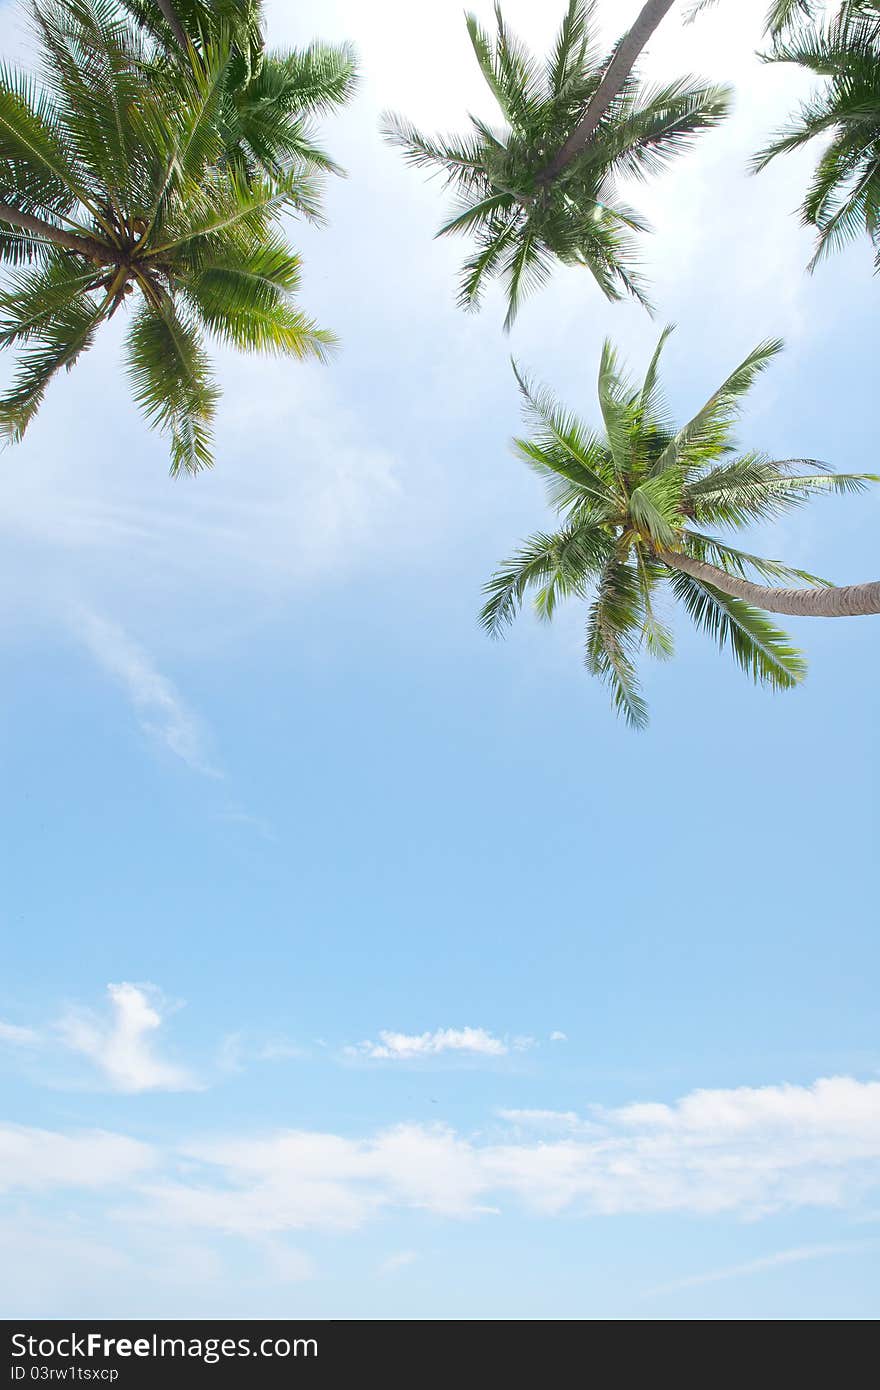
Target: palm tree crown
113 180
843 198
521 219
639 505
272 95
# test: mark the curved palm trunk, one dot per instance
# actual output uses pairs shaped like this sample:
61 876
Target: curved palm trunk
849 601
48 232
171 19
616 73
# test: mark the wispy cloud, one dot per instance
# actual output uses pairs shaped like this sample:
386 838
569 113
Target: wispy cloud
238 1049
38 1159
782 1257
121 1047
15 1036
399 1260
158 706
402 1047
542 1119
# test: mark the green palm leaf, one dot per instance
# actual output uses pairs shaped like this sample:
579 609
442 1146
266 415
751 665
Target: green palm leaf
614 627
757 645
127 171
172 384
57 344
842 199
626 500
523 221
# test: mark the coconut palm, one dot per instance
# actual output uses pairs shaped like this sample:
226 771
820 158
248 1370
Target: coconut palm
640 506
272 96
112 184
783 15
843 198
544 188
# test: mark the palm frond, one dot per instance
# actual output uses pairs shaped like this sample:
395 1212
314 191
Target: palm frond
34 160
571 52
172 384
562 443
758 646
31 299
668 119
57 344
313 80
557 564
615 402
756 488
528 265
510 71
655 506
246 306
614 626
458 160
727 557
648 398
709 429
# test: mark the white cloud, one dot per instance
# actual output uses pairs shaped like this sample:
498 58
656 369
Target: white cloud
302 1180
160 710
399 1260
406 1046
286 1265
542 1119
556 1036
237 1049
747 1152
39 1159
17 1037
780 1258
121 1047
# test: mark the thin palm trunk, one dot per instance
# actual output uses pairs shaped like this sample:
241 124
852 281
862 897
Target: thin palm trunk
171 18
616 73
849 601
47 232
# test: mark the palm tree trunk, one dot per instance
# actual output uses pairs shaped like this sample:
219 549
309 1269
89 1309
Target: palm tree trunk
616 73
849 601
174 23
84 245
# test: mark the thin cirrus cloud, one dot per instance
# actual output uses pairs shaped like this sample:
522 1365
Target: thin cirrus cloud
15 1036
399 1260
747 1152
405 1047
239 1049
121 1047
799 1255
159 708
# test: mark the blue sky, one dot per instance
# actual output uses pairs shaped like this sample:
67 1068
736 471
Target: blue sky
355 965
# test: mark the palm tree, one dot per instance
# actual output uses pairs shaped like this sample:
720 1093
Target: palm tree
639 507
272 96
843 198
112 183
543 189
783 15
